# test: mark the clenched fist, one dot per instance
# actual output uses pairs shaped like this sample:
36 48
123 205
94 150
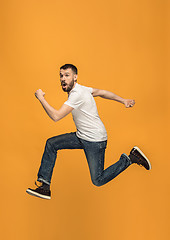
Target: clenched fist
39 94
129 103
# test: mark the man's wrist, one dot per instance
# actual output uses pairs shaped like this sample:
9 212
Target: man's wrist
123 100
41 99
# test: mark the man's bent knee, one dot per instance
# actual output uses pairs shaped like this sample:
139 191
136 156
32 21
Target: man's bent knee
49 144
96 182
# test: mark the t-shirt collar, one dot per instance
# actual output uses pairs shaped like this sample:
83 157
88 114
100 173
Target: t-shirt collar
76 85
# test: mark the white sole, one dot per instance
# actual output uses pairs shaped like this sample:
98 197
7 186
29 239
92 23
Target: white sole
143 156
37 194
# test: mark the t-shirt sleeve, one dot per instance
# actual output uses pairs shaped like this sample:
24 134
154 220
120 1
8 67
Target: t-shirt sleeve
90 89
74 100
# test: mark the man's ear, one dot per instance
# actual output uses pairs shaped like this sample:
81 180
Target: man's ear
75 77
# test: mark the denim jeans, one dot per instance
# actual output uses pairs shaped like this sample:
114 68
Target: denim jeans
95 154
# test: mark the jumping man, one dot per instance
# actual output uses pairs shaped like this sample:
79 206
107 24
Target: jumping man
91 135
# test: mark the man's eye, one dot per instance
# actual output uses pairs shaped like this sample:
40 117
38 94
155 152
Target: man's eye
67 75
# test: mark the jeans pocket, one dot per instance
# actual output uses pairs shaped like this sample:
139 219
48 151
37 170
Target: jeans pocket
103 145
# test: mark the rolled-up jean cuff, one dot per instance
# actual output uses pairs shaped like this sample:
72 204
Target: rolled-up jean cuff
127 157
42 180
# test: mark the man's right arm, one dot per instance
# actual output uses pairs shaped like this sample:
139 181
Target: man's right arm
54 114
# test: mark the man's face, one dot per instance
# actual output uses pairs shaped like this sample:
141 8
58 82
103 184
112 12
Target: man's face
67 79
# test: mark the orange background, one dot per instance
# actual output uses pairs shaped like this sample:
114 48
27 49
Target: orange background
121 46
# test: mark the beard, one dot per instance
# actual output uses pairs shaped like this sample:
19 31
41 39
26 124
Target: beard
68 87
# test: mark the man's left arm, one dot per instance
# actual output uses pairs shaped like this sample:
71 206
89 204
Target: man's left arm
112 96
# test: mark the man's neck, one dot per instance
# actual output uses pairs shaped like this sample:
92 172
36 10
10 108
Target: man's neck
72 88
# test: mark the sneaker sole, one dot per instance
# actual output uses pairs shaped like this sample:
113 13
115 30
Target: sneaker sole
143 156
37 194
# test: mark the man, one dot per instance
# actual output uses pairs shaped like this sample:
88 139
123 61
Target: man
91 135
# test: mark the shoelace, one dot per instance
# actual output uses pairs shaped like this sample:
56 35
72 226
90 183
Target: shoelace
41 187
37 185
140 160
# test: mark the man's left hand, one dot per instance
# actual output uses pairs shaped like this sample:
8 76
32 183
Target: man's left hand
129 102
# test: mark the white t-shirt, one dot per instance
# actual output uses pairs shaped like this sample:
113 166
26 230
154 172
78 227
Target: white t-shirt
85 115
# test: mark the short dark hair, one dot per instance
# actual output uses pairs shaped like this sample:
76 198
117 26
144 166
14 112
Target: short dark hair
66 66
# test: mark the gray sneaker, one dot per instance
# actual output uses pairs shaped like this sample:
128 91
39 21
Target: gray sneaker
137 156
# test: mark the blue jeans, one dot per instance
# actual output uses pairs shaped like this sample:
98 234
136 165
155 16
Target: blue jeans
95 154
